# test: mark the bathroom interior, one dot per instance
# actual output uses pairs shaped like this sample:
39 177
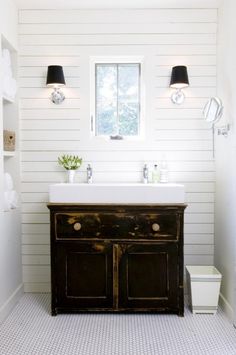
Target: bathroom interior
196 153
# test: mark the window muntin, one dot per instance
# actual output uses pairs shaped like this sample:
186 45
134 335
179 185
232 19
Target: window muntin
117 99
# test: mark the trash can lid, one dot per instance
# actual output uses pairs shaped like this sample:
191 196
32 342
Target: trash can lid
203 271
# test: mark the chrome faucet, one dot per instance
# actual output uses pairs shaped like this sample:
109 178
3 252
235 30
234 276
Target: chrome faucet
89 174
145 174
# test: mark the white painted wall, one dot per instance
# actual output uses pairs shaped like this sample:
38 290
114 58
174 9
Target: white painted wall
104 4
165 37
9 21
10 227
225 221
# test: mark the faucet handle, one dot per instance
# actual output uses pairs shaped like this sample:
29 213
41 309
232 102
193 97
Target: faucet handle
145 168
145 174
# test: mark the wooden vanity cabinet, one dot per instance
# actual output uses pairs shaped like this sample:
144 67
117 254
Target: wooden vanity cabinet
123 258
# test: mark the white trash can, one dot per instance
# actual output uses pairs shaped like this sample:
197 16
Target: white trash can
203 288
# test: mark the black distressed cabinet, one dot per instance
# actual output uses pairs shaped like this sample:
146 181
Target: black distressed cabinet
122 258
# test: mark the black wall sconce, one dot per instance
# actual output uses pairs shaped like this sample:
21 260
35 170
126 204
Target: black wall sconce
178 81
55 79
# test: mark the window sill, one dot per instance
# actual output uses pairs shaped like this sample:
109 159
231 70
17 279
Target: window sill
117 138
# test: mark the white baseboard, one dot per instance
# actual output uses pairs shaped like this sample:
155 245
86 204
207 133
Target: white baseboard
10 303
226 307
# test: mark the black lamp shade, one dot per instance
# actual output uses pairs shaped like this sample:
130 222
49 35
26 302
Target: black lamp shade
179 77
55 76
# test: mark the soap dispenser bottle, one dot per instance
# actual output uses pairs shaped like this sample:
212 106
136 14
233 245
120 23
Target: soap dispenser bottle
155 174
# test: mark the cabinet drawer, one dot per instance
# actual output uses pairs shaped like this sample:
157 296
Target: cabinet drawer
116 225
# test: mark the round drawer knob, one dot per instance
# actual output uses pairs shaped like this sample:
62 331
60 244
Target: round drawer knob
155 227
77 226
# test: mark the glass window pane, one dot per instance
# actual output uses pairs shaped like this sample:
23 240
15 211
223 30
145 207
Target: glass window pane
128 119
128 99
128 82
106 99
117 99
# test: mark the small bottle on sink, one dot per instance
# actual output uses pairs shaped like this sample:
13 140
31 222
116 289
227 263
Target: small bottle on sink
155 174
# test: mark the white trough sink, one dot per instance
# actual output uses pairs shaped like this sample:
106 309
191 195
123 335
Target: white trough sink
117 193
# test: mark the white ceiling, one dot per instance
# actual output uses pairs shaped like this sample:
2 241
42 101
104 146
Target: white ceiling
99 4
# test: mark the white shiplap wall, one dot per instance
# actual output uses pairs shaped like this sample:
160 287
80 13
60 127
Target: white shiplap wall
165 37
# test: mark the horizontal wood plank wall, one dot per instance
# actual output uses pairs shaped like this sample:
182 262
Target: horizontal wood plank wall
165 37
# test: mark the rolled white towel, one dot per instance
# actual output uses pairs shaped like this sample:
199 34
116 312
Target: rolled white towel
12 88
6 63
9 87
7 71
7 203
9 83
13 199
6 57
6 85
8 182
10 200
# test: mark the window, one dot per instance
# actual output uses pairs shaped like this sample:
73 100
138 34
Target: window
117 103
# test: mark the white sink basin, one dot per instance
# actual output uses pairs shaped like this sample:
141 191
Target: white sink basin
117 193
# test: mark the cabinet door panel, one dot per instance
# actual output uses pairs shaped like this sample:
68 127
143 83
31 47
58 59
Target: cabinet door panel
148 276
84 275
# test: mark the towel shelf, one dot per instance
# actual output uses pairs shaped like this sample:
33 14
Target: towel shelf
8 99
8 154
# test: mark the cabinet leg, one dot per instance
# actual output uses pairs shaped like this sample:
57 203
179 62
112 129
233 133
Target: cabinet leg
181 309
54 312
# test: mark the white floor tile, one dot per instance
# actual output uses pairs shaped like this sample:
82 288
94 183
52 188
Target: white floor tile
31 330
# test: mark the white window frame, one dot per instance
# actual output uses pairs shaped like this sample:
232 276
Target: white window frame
117 60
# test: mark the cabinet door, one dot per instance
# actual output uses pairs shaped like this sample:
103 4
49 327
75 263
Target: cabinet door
148 276
83 276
